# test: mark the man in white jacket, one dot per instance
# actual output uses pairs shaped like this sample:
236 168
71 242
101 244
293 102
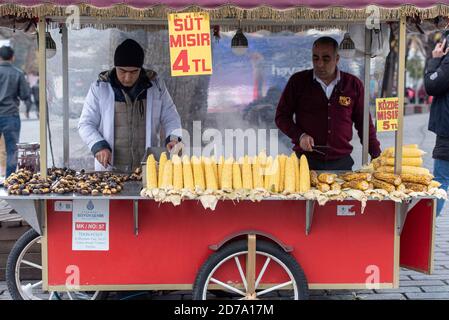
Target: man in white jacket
126 111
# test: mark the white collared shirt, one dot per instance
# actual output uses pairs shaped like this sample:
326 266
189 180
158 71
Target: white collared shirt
328 89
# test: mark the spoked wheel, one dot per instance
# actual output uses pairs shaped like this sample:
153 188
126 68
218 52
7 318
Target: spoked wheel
25 257
275 275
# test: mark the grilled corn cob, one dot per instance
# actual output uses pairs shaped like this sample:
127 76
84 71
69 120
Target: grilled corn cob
416 178
405 169
349 176
335 186
415 187
356 184
313 178
434 184
323 187
388 177
328 178
379 184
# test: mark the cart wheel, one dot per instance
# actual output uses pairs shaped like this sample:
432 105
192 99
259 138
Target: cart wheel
214 278
25 257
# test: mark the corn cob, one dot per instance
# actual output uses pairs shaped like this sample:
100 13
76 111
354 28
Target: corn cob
226 178
211 182
215 168
323 187
236 176
405 169
276 175
187 174
356 184
177 173
407 152
289 183
371 186
415 187
220 170
434 184
258 182
401 187
349 176
388 177
297 172
198 173
247 175
414 162
162 161
151 172
335 186
282 160
327 178
268 173
262 157
379 184
416 178
304 173
313 178
167 178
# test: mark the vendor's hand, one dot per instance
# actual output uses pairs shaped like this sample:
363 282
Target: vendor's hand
439 51
306 143
104 156
171 145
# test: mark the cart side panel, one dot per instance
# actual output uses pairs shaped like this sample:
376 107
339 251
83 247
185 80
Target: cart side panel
173 242
418 236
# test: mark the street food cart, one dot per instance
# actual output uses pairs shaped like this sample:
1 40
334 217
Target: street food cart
273 248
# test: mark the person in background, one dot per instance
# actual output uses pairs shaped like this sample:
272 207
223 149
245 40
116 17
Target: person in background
13 88
125 112
319 107
436 82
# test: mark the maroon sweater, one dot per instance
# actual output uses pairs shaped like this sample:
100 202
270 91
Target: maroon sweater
328 122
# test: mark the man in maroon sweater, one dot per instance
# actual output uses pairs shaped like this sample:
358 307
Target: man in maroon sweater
319 106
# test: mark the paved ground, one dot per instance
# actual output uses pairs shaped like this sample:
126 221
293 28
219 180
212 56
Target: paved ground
413 285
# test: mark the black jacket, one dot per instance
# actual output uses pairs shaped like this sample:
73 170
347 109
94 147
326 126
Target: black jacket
436 82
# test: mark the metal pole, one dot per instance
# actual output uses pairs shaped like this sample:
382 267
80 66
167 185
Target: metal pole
366 107
401 93
65 94
42 97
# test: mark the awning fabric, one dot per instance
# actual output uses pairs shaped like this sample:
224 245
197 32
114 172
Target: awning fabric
242 9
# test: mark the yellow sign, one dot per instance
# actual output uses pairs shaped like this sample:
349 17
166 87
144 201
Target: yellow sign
387 114
190 44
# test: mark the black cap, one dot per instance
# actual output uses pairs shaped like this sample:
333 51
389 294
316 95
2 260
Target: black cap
129 54
6 53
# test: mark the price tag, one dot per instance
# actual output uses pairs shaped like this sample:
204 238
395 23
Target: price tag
190 44
387 114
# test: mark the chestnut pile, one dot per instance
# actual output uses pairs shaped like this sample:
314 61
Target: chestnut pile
63 180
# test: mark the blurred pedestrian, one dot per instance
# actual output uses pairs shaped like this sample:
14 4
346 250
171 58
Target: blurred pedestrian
436 81
13 88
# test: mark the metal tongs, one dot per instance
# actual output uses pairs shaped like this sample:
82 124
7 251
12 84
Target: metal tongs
317 149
